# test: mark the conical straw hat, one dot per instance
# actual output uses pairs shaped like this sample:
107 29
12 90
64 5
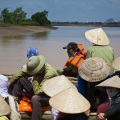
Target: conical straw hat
113 82
56 85
97 36
69 101
4 107
116 64
94 69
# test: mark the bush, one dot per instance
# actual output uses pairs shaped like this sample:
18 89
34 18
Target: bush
29 23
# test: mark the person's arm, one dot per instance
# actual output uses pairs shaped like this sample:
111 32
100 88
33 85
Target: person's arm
17 75
112 111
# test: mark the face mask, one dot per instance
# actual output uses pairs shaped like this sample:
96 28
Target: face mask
112 92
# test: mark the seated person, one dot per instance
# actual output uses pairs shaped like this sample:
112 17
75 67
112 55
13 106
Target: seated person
76 54
4 103
41 71
112 87
92 71
102 108
55 85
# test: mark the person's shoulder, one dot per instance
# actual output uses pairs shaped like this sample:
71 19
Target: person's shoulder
91 48
109 47
50 72
49 68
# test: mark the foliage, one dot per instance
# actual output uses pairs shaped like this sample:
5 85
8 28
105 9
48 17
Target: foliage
5 15
18 15
14 17
41 18
29 23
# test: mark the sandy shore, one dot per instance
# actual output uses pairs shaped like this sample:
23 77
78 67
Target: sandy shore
18 30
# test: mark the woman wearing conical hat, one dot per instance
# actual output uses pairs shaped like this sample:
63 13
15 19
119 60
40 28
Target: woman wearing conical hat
100 46
112 87
93 71
58 84
102 108
70 104
55 85
99 49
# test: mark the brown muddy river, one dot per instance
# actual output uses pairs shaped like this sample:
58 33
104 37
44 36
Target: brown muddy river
13 49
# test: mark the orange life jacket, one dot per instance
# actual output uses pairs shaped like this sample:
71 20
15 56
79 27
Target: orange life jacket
78 57
25 105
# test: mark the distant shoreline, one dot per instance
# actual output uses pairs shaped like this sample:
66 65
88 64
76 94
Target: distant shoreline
20 30
89 25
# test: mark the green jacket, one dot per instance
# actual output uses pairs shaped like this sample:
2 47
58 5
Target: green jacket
105 52
38 80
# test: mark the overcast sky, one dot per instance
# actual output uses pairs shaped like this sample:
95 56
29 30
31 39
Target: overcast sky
68 10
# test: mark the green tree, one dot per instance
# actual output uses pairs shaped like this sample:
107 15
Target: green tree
18 15
5 15
41 18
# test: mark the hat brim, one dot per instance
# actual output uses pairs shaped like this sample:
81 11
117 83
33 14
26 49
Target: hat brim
65 47
116 64
93 35
113 82
39 67
69 101
94 69
57 84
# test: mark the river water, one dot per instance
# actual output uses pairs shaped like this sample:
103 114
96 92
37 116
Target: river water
13 49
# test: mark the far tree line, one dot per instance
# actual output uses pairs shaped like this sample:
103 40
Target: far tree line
18 16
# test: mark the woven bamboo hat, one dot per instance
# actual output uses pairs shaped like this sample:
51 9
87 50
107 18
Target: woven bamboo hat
97 36
113 82
94 69
69 101
56 85
4 107
116 64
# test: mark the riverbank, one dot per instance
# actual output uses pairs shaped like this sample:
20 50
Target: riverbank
19 30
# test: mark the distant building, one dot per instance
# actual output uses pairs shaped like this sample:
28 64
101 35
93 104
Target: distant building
87 21
112 20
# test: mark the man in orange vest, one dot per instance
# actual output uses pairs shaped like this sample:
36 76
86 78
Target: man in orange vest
76 54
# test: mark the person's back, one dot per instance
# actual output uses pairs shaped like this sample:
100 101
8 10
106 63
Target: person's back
105 52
